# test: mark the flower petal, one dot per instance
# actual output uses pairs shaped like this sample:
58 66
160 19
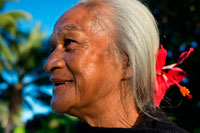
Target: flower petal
160 62
175 75
184 55
160 88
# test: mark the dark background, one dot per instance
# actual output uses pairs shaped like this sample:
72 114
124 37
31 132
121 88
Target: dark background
179 25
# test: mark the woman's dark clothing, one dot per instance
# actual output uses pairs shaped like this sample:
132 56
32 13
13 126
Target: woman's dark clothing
148 125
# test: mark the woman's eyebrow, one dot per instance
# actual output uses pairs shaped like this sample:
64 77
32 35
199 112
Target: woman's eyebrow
71 28
67 29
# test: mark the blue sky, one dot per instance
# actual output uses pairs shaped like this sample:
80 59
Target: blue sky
43 11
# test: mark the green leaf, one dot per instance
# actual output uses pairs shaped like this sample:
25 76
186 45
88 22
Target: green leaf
4 113
6 52
34 41
14 49
6 19
8 23
18 15
9 20
19 129
1 66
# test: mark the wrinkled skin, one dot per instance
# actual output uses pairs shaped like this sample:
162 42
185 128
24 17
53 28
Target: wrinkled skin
84 58
81 58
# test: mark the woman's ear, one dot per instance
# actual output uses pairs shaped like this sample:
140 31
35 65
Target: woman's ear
126 68
127 74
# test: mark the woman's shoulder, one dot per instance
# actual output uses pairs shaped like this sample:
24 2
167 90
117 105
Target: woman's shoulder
158 122
155 123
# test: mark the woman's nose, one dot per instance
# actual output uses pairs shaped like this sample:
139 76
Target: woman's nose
55 61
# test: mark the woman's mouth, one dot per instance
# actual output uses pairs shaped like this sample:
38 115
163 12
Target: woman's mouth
62 83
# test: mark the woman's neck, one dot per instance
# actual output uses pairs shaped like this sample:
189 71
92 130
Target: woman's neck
112 111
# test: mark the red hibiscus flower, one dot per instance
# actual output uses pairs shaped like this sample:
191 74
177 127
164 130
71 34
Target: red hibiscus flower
169 75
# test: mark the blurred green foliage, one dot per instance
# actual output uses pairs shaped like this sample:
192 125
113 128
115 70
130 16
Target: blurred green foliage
52 123
21 54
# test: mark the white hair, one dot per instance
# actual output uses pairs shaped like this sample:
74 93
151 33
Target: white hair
137 36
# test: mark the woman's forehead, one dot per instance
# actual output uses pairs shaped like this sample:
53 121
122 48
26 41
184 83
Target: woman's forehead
77 19
72 19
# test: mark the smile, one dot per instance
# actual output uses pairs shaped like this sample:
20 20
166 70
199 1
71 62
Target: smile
60 83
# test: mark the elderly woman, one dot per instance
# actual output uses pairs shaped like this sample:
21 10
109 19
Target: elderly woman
102 65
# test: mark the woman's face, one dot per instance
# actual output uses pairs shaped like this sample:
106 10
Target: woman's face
81 67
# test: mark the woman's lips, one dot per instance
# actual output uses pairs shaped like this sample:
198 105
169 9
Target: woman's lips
62 85
59 81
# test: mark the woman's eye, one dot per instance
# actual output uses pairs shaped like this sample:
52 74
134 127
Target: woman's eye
67 43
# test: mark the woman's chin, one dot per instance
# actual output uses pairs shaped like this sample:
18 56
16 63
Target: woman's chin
57 106
62 105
